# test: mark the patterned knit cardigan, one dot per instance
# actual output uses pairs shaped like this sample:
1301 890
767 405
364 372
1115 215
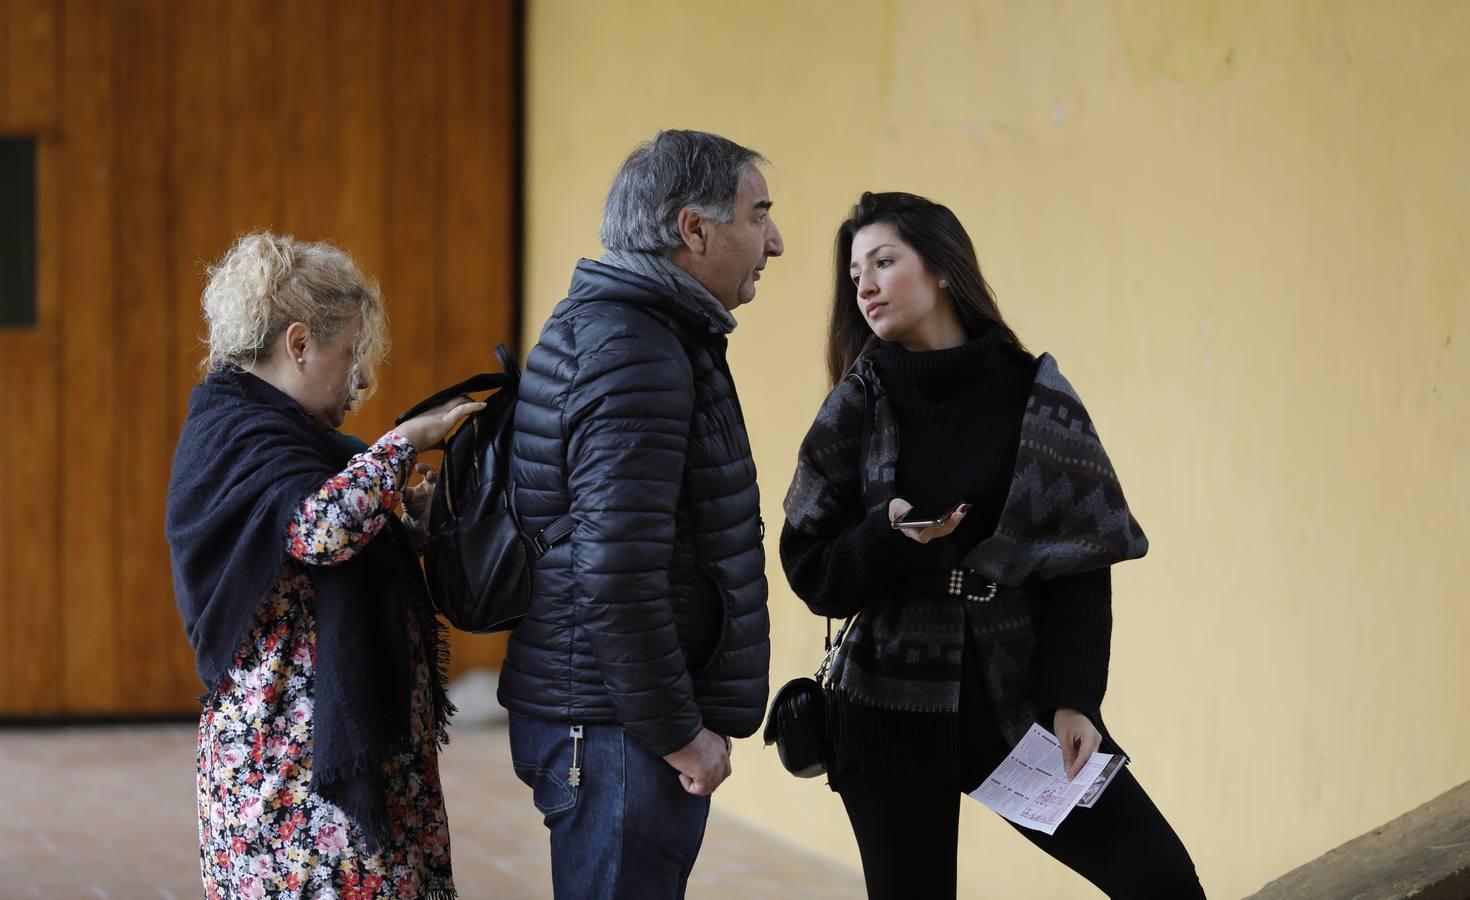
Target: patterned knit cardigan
1064 514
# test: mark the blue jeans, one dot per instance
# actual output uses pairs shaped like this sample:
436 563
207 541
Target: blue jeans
627 828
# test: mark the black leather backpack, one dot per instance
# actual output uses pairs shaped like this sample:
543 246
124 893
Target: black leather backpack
478 560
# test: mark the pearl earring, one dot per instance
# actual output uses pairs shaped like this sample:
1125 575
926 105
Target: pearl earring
301 359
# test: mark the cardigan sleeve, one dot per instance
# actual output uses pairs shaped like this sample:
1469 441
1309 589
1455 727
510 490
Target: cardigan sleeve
1074 637
839 574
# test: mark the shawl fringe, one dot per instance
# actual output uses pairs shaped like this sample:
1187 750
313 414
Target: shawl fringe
866 737
434 633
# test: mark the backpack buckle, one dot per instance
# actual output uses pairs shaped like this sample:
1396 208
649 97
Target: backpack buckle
553 534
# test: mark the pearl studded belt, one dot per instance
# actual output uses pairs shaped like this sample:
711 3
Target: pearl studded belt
966 584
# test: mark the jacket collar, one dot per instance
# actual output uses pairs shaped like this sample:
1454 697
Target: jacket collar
595 280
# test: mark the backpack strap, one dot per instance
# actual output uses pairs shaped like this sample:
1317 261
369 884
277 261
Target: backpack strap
485 381
542 541
552 535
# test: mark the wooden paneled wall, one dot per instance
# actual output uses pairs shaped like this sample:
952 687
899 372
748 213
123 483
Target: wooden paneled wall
165 129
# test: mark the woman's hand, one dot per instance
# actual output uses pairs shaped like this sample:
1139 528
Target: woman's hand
416 498
899 507
1078 736
427 431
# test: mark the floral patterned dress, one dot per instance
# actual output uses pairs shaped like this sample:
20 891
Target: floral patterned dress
262 832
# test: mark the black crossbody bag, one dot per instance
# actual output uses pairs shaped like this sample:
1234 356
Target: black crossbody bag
797 721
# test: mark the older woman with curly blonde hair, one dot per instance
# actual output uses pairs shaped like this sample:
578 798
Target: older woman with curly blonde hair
301 595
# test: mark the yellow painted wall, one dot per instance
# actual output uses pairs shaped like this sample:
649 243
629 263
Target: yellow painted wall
1242 228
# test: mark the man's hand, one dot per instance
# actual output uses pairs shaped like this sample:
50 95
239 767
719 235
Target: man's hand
702 763
1079 739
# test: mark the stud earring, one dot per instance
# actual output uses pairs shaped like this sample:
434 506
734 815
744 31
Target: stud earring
301 359
943 285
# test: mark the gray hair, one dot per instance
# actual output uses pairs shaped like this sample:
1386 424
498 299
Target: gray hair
674 170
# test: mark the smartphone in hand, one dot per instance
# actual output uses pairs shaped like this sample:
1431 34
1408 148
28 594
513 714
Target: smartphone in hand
927 523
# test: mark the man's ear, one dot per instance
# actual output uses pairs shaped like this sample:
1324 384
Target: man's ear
694 229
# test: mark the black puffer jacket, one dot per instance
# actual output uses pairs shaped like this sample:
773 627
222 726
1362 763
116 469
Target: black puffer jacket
653 613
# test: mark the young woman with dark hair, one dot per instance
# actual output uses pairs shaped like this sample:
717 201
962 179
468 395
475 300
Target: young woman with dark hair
964 632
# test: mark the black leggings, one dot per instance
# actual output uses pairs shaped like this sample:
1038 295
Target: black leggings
907 829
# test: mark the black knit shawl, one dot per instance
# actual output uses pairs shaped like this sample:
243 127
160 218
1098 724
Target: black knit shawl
1064 512
248 457
895 680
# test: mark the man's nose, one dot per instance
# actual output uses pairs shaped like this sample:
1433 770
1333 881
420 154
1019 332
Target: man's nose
774 245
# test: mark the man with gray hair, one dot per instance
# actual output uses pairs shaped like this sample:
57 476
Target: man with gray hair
646 645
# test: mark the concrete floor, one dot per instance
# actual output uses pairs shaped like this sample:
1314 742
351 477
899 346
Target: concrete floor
108 811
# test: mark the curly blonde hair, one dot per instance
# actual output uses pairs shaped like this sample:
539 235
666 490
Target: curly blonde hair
267 281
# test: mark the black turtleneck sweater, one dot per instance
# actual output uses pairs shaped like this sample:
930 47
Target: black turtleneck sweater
959 419
959 413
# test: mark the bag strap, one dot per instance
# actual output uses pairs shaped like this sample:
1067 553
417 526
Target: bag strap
485 381
553 534
866 438
832 646
508 362
542 541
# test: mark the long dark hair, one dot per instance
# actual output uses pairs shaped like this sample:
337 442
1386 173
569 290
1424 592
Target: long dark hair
941 242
